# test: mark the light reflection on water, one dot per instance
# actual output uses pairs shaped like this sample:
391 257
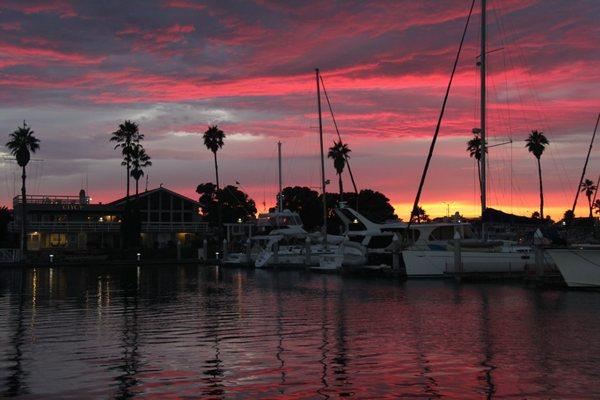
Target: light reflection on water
205 332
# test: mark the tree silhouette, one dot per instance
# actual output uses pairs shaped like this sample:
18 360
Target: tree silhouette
420 214
568 217
339 154
214 141
127 137
474 150
536 143
21 144
588 187
235 205
139 160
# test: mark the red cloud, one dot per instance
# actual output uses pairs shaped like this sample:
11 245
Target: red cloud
185 4
158 39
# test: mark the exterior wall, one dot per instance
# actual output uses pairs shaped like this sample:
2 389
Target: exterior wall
162 206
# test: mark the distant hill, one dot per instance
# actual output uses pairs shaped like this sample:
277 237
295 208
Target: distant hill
492 215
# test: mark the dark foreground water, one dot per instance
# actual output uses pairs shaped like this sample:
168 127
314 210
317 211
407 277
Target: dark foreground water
201 332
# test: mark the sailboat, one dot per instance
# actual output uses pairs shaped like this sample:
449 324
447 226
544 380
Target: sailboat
294 247
579 264
486 257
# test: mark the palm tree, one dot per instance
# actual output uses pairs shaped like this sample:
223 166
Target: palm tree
213 140
589 189
339 154
421 215
21 144
474 149
596 206
127 136
139 160
536 143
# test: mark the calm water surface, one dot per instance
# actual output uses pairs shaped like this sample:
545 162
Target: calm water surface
204 332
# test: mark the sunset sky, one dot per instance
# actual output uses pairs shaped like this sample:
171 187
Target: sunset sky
75 70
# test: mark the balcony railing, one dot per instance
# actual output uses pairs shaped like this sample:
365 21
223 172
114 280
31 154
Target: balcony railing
188 227
71 226
51 199
85 226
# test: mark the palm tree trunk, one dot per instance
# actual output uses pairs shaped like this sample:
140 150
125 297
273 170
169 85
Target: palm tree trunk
216 169
341 187
128 169
541 189
137 180
590 204
23 214
219 217
479 178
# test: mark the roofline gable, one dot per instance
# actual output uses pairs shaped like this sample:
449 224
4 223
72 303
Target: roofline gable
122 200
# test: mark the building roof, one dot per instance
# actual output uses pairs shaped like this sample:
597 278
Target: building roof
122 200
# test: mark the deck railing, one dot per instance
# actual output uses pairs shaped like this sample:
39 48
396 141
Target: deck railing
10 255
50 199
85 226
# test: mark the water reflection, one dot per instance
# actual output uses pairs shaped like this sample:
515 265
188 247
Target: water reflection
178 331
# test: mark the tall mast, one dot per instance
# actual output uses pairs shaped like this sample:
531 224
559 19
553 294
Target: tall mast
279 196
587 159
482 123
322 157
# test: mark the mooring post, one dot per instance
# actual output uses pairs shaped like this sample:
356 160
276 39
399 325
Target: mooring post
538 245
458 264
395 253
275 254
224 249
205 250
248 252
178 250
307 251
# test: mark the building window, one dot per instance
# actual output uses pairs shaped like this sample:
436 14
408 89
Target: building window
58 240
187 217
153 217
176 217
154 201
165 217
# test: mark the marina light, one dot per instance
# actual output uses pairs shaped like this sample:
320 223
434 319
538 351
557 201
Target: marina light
355 221
101 219
51 258
217 255
239 220
138 256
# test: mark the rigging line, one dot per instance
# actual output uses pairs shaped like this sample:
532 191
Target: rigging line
587 159
439 122
339 137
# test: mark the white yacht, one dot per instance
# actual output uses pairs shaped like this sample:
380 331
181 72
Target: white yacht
579 265
283 242
429 249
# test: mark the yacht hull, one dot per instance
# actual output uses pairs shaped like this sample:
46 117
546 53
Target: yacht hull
579 268
423 263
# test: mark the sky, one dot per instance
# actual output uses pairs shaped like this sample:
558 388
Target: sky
74 70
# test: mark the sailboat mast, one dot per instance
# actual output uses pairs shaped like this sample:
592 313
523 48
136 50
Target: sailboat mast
322 157
482 122
279 196
587 159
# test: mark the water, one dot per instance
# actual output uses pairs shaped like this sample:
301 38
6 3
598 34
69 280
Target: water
204 332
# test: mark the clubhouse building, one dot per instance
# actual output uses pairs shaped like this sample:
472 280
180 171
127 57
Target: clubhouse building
75 223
